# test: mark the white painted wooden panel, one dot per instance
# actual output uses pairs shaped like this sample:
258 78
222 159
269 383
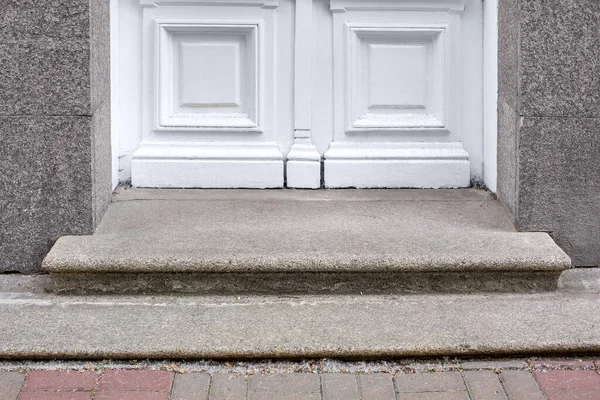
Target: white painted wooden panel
209 96
400 91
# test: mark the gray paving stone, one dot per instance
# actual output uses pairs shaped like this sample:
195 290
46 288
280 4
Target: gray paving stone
456 395
282 396
494 364
430 382
193 386
10 385
228 387
285 383
376 386
484 385
339 387
521 385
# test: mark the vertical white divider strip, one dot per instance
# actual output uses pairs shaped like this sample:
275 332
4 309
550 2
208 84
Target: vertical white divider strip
114 91
304 161
490 93
303 66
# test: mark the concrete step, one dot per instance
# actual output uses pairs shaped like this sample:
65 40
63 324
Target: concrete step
285 241
41 325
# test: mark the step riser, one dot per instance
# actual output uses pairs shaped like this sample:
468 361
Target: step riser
306 282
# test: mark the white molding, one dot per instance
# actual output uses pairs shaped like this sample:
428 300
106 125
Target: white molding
268 4
208 165
415 165
304 161
451 6
209 151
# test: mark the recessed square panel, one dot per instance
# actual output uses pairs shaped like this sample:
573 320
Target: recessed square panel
397 78
208 76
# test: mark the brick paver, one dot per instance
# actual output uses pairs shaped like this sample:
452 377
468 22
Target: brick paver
430 382
10 385
484 385
563 364
228 387
494 364
339 387
572 394
297 386
376 386
521 385
115 380
132 395
456 395
568 379
547 380
50 395
60 380
191 386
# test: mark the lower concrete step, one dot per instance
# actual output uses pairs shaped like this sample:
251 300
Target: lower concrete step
285 241
41 325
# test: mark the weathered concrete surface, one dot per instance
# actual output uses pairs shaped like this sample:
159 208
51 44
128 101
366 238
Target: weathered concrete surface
295 231
307 282
549 111
580 280
49 326
55 136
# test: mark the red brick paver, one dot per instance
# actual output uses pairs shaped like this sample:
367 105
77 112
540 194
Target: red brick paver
568 380
123 380
50 395
572 394
60 380
132 395
564 364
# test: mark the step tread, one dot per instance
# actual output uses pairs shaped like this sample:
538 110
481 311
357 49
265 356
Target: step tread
296 327
287 231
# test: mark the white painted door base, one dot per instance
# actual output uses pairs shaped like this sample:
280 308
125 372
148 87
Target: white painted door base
403 165
208 165
262 93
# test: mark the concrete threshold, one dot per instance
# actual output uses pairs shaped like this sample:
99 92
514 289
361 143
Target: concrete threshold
38 325
305 242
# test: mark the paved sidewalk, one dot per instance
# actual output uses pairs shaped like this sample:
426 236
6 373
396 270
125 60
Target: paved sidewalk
558 379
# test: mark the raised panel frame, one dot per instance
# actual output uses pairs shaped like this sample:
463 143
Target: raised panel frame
212 119
395 118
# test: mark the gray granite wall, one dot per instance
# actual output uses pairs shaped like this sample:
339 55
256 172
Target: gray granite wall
54 130
549 120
